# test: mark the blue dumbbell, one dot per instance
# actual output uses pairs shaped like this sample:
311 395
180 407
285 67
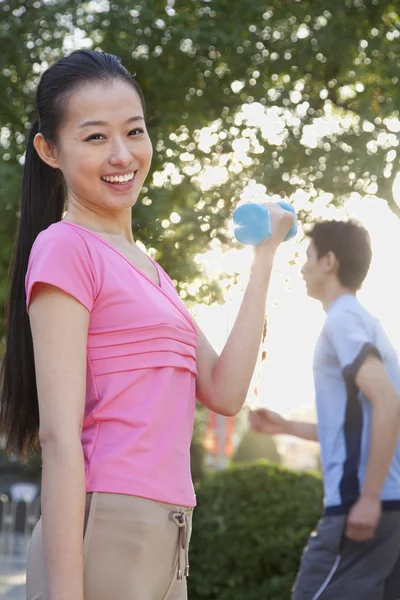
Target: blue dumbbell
252 223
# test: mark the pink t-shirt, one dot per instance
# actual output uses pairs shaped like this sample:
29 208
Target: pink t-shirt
141 365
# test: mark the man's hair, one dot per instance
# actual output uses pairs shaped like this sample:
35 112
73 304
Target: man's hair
350 243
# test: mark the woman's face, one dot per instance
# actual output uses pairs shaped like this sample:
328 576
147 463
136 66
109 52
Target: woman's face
103 148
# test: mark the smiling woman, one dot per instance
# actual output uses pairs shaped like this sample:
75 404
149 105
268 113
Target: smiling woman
103 362
104 160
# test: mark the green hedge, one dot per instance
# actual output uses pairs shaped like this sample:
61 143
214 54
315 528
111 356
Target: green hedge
250 527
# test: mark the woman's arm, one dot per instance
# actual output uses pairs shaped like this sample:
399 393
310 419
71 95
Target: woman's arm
223 381
59 326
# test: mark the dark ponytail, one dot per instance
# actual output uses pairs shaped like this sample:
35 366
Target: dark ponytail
42 204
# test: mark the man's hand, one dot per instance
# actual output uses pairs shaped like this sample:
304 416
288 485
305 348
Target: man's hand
267 421
363 519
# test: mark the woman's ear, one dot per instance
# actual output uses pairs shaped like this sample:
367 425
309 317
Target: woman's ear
46 151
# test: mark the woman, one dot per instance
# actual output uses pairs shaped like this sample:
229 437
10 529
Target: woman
105 370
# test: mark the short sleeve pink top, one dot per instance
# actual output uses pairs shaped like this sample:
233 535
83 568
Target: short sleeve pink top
141 365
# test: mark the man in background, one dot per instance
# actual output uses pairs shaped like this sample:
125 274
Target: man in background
355 552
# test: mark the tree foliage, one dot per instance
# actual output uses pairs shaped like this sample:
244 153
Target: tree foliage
301 97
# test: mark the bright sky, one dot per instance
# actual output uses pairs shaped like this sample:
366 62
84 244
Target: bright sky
294 320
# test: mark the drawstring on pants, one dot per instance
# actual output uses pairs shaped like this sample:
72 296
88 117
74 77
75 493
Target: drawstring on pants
180 519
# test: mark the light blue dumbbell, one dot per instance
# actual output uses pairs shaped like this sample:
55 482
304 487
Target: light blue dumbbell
252 223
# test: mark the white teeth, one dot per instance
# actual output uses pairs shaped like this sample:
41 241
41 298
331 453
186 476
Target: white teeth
118 178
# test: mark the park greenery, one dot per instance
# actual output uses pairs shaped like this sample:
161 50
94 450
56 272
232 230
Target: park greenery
299 97
250 527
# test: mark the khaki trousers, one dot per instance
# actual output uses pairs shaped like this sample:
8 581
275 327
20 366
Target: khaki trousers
134 549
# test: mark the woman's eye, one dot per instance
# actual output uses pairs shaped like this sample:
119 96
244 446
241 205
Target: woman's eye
100 136
136 131
94 136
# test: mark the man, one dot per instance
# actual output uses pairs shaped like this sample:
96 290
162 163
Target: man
355 552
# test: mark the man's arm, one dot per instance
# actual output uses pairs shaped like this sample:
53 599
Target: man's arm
373 380
301 429
272 423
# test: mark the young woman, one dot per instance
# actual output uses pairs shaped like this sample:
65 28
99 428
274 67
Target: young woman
105 370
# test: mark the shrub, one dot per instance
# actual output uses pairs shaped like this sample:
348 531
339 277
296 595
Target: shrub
256 446
250 528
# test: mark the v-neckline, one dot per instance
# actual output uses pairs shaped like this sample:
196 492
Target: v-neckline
135 267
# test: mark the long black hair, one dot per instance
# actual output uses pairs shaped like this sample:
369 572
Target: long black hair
42 203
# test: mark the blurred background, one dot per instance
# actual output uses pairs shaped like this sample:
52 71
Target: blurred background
246 100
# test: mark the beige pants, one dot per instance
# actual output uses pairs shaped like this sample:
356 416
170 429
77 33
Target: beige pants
134 549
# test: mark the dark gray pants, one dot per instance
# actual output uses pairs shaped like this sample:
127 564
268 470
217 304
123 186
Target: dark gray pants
336 568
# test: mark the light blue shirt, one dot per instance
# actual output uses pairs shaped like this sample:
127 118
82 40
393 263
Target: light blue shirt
349 334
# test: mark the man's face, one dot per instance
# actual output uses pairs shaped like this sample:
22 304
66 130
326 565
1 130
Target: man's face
315 272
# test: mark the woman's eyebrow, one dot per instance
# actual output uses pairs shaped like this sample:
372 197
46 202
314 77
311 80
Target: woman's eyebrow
103 123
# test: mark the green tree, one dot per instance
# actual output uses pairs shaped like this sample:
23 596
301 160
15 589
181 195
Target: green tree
324 72
255 446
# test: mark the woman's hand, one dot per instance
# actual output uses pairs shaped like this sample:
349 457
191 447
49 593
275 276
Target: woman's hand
281 222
